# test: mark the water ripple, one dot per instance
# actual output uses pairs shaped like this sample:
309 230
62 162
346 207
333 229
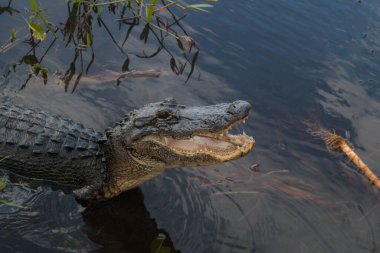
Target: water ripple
46 221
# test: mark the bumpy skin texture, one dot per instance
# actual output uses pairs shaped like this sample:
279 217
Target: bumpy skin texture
134 161
39 145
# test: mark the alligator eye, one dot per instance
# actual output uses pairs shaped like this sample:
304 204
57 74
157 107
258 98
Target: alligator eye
164 115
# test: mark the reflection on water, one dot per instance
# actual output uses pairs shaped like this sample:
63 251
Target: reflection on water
46 221
77 32
51 221
295 62
124 224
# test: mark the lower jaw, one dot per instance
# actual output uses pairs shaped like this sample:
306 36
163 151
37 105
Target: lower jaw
221 156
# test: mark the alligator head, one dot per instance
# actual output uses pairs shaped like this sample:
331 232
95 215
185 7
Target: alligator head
167 135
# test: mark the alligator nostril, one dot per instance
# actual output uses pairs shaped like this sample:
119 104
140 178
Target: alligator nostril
233 108
238 107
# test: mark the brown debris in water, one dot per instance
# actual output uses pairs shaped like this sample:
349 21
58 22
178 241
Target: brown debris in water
339 144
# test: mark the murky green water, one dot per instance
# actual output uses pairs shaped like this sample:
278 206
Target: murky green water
294 61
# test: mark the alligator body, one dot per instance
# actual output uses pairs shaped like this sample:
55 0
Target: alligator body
43 146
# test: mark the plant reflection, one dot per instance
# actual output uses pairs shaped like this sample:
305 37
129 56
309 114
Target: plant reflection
77 35
8 9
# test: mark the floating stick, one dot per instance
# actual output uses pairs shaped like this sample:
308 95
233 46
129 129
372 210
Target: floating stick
339 144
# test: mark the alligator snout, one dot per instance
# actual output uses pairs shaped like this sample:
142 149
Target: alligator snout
239 107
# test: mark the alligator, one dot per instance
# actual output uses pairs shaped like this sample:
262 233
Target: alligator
147 141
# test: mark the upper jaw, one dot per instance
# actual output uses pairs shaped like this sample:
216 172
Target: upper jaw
209 121
214 119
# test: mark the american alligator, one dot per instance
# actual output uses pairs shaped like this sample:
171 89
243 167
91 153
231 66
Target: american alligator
40 145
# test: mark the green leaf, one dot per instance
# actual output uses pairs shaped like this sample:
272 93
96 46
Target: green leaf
198 7
88 39
36 69
149 10
44 72
3 184
13 35
33 4
38 31
111 2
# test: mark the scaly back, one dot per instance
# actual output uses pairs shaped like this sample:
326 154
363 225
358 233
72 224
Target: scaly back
40 145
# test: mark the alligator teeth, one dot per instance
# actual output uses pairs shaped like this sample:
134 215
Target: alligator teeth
243 121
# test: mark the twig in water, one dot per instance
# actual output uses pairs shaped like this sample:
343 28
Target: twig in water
140 73
235 192
8 45
339 144
276 171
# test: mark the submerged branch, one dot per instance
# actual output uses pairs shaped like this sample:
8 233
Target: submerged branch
339 144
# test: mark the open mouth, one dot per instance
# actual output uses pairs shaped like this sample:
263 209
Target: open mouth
220 145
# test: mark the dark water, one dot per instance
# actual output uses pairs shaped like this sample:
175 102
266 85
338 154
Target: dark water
295 61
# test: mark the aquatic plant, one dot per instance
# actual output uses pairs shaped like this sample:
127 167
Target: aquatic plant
158 20
137 7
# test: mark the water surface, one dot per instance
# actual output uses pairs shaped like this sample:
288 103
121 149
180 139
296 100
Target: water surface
294 61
